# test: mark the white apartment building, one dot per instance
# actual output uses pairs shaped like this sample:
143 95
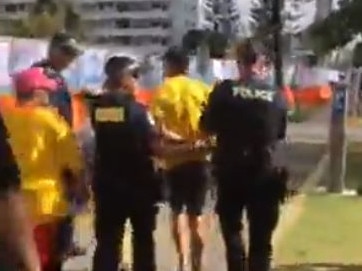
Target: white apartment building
12 11
146 25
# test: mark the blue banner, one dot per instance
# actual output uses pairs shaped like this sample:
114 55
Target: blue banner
339 100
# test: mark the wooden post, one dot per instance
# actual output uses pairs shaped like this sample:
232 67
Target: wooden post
337 138
353 93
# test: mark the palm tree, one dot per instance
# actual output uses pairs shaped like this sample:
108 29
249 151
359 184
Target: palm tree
48 17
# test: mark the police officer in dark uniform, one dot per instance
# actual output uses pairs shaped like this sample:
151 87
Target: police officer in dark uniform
247 116
125 184
63 50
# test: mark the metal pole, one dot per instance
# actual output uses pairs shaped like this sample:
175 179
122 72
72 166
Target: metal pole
277 6
337 138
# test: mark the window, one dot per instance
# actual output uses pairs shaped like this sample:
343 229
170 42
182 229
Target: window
164 7
122 7
21 7
166 25
122 23
11 8
164 41
155 24
156 5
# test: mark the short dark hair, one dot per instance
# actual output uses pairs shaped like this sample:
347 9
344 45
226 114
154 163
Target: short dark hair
65 42
116 64
177 57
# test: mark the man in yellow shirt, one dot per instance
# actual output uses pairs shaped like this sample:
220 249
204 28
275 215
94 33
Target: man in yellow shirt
176 107
46 152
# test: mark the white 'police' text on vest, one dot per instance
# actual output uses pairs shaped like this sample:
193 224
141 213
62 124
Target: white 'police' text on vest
257 94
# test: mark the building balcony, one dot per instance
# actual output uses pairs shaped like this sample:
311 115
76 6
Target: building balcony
119 1
99 15
5 2
13 15
129 32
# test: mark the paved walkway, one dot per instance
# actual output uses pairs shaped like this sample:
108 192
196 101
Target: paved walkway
165 252
313 130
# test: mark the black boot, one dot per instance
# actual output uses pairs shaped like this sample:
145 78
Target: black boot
235 254
259 263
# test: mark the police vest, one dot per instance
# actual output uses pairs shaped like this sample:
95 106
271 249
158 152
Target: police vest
250 114
120 147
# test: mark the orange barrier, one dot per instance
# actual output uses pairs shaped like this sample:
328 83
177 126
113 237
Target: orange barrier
289 96
144 96
7 101
79 106
313 95
80 111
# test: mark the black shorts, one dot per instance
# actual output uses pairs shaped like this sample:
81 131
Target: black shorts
187 187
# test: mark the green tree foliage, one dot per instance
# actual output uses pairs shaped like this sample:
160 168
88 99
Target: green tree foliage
260 18
260 21
48 17
216 42
193 39
339 28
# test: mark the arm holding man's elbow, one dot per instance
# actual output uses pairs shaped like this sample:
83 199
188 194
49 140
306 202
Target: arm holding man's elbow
15 227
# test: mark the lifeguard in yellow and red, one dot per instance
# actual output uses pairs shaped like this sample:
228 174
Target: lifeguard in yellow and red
48 158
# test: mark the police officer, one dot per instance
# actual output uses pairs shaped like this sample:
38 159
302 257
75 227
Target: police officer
247 118
63 50
125 185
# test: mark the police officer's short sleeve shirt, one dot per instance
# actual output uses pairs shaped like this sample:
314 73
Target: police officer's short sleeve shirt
117 114
232 104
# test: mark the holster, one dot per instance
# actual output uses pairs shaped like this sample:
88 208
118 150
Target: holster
279 183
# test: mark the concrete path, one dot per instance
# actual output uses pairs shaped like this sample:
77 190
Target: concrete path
303 159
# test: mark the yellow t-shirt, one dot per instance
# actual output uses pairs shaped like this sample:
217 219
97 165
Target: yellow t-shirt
43 145
177 106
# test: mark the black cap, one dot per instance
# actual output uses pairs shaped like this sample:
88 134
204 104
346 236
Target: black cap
66 43
118 64
177 56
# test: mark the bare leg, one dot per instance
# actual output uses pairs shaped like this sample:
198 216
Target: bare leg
180 236
196 241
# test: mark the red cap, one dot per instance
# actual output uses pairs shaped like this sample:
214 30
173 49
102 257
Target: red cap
32 79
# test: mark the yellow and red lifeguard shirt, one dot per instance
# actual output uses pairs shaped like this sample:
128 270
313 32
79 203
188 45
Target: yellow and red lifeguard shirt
43 145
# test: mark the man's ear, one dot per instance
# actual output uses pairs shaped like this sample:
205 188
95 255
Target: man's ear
41 96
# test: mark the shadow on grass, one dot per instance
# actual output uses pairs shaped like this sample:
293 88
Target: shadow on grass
319 267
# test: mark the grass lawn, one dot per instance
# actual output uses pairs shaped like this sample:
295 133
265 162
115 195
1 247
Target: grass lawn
328 231
354 167
328 234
